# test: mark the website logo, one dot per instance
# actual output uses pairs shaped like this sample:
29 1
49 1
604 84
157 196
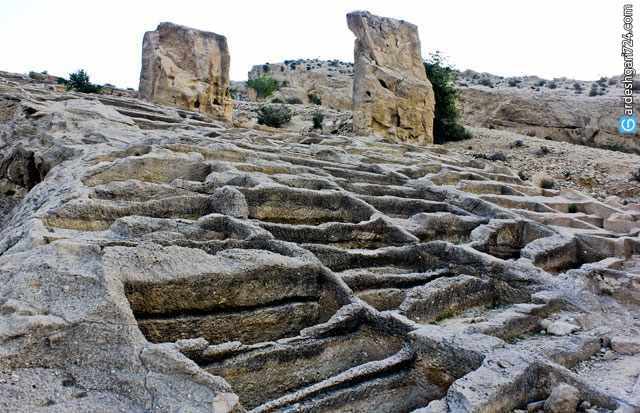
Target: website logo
628 125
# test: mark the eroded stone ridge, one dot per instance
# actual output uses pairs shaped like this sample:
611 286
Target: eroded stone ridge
392 96
187 68
165 262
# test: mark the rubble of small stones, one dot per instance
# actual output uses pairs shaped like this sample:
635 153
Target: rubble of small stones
154 259
604 174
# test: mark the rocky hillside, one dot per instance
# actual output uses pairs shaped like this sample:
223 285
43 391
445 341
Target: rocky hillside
580 112
327 82
584 113
152 259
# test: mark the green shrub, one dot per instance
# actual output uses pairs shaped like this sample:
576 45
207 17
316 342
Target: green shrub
273 115
577 87
318 118
79 81
263 85
541 83
37 75
277 100
594 90
315 99
513 82
294 101
447 125
572 208
485 81
552 85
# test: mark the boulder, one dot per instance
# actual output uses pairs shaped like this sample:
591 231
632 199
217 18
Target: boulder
188 69
563 399
392 97
626 345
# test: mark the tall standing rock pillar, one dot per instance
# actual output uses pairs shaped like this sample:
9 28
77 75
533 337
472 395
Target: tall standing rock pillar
392 97
187 68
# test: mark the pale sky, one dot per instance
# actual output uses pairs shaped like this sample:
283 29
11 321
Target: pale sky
549 38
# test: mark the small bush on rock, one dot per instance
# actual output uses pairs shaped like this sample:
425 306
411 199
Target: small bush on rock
577 87
447 125
315 99
486 82
318 118
294 101
543 181
274 115
263 85
79 81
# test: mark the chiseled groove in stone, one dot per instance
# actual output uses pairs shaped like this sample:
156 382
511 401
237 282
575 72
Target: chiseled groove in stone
362 280
95 215
352 376
367 234
445 297
218 311
289 365
407 207
265 323
300 206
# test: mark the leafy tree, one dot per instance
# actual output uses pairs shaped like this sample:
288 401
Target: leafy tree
447 125
79 81
263 85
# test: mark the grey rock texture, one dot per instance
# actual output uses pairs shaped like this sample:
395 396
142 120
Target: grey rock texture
330 81
392 96
154 260
187 68
563 399
529 105
583 120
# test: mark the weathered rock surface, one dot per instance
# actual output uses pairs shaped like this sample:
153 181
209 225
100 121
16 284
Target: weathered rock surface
166 262
329 83
528 105
583 120
563 399
392 96
187 68
333 121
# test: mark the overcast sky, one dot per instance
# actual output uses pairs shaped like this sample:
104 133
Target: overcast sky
549 38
